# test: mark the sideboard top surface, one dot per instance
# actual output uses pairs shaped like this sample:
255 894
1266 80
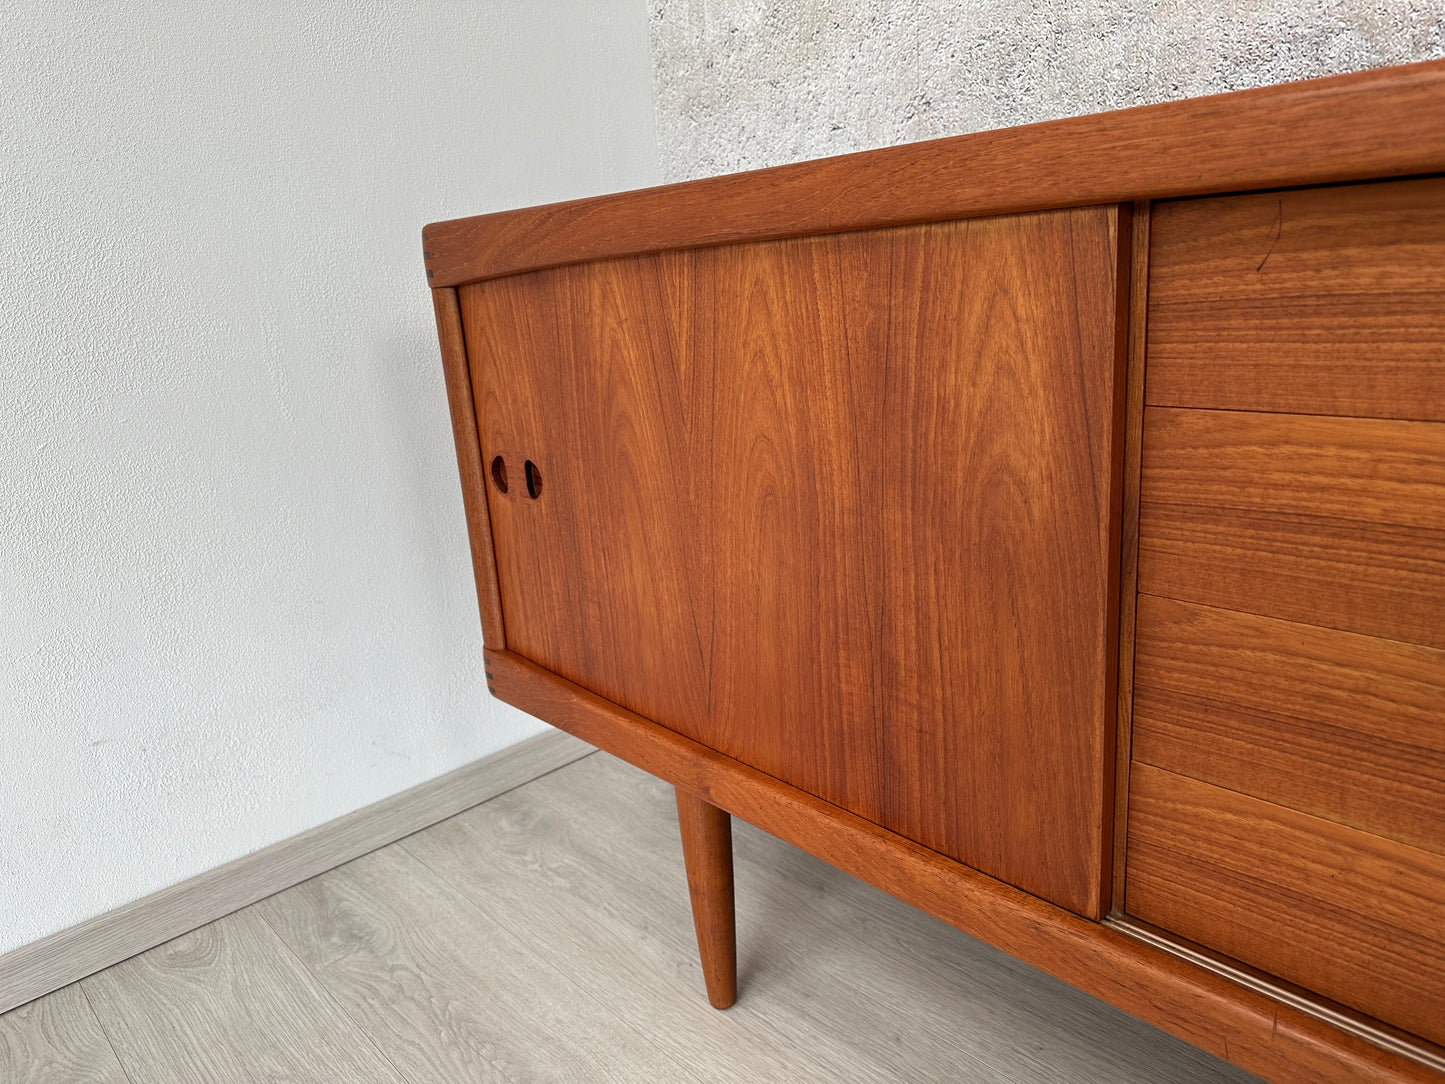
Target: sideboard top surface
1375 124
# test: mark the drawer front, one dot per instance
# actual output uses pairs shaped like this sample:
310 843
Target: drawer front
1337 522
1344 727
840 507
1313 301
1287 783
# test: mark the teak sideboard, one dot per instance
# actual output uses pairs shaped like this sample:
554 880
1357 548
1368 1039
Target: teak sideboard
1046 526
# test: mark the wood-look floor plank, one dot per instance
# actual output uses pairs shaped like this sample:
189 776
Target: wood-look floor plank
837 981
229 1002
56 1040
524 867
445 990
87 947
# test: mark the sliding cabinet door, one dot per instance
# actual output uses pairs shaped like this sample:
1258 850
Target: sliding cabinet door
841 507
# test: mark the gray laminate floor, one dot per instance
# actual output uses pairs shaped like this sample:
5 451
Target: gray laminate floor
545 936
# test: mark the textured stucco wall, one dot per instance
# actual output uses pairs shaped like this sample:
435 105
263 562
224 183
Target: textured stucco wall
743 84
235 598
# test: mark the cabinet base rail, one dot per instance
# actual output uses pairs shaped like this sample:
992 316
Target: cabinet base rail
1372 1032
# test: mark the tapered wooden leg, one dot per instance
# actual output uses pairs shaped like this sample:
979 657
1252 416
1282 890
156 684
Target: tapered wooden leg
707 850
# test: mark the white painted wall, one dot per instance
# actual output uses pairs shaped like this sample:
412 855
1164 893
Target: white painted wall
235 598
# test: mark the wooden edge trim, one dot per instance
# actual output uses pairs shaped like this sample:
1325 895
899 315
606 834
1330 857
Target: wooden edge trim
44 966
1341 1016
1204 1009
469 463
1128 591
1125 228
1382 123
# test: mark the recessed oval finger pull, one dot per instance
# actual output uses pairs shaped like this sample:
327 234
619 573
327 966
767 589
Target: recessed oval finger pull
499 473
534 479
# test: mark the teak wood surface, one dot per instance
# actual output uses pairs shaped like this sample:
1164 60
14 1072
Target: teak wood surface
1338 522
1285 891
707 851
843 508
469 462
1330 723
1312 301
1288 757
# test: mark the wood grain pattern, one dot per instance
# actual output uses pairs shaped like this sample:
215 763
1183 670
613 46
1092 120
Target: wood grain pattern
89 946
1330 521
1369 124
841 982
1003 390
841 507
411 959
56 1038
1313 301
1129 536
469 463
1242 1026
1341 726
707 850
1358 918
228 1002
